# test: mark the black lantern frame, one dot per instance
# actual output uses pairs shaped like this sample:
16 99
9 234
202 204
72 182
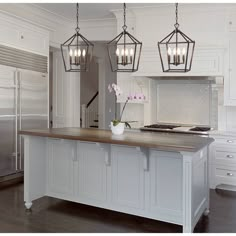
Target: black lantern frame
176 50
124 51
77 51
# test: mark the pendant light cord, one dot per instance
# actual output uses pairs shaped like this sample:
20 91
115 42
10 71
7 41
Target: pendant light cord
176 15
124 26
77 18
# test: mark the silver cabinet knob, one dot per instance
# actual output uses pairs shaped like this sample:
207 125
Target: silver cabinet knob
230 141
230 174
230 156
22 37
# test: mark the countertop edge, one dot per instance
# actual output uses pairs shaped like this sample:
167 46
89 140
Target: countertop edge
160 147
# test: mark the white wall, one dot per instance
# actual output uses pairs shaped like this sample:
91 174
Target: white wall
89 82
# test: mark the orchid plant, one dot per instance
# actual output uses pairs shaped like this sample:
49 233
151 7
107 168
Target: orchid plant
116 89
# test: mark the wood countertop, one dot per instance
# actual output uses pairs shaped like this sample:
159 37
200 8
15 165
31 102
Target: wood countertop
159 140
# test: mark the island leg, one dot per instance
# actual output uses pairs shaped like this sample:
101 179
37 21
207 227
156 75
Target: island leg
34 169
207 210
28 205
187 193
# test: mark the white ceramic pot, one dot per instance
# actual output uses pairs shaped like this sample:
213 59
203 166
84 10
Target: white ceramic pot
118 129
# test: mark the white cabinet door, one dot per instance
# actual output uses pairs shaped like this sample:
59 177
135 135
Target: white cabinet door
166 185
127 181
230 73
34 41
60 158
9 33
91 173
25 36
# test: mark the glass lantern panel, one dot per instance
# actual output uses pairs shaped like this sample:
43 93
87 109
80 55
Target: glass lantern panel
112 47
77 57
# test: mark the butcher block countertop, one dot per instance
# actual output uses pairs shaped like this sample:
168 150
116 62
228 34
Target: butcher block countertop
158 140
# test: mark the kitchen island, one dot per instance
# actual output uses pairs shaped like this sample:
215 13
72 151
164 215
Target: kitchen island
160 176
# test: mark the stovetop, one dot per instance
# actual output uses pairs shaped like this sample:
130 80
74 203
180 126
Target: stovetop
177 128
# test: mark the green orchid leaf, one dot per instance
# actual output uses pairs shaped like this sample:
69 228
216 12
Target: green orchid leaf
127 125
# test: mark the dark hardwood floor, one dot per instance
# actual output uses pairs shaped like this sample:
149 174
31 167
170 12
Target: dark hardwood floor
53 215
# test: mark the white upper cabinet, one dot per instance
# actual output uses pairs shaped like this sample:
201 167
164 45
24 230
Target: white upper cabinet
230 73
22 35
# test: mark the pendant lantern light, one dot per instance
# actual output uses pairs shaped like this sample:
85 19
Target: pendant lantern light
124 51
176 50
77 50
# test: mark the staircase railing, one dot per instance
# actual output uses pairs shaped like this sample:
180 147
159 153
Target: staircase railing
92 99
89 112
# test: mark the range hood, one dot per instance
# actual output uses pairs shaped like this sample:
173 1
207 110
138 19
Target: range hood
214 79
208 61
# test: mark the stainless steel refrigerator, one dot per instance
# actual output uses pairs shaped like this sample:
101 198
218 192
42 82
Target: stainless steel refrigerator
23 105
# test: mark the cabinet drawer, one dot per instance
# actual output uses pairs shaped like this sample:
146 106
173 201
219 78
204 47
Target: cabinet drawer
224 175
224 156
227 141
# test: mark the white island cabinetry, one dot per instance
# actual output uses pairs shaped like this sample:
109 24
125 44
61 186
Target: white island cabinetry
60 164
90 178
158 176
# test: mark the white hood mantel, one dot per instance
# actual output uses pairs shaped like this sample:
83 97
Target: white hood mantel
208 61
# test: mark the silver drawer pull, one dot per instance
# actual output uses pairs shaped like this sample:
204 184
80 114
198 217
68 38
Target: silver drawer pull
230 141
230 156
230 174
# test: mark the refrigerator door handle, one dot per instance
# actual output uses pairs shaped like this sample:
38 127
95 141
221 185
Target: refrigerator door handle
20 115
16 118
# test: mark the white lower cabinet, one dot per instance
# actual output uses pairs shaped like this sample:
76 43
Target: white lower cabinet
166 177
91 173
127 180
60 164
223 161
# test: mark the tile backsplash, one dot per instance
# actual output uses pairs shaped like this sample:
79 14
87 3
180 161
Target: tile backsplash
187 102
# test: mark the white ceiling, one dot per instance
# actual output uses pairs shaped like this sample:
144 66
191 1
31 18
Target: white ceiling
87 10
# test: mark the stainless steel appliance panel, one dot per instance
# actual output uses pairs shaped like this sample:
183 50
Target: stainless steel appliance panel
33 92
8 120
7 146
7 91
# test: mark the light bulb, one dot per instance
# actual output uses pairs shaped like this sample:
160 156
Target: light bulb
183 51
131 52
79 52
117 52
84 53
71 52
169 51
122 52
75 53
178 51
174 51
126 52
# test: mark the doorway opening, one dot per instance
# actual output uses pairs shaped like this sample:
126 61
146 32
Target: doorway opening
97 104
